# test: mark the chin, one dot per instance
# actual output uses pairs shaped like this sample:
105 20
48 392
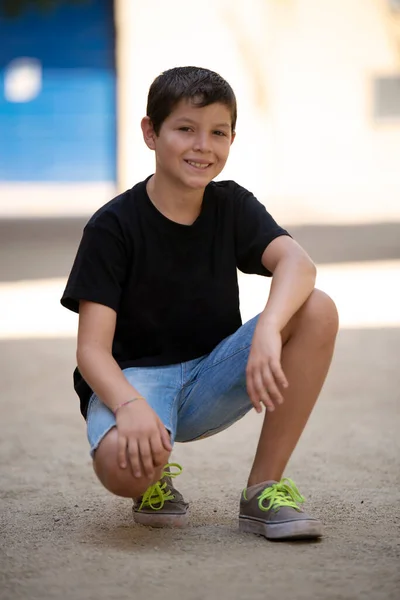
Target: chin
201 180
200 185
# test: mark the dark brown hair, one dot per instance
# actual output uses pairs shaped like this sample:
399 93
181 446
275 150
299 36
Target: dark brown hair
200 86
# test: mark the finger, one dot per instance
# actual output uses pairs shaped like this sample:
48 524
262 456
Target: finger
165 439
263 391
146 457
270 386
157 450
278 374
121 456
134 460
252 392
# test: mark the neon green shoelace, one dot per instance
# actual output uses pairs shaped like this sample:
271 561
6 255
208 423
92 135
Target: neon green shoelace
283 493
156 495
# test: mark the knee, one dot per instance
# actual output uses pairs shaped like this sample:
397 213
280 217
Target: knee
319 312
120 482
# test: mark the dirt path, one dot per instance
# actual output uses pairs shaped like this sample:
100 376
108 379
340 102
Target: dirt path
63 536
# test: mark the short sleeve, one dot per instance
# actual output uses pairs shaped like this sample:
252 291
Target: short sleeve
255 228
99 269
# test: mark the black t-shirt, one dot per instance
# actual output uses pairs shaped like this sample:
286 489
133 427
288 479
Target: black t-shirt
174 287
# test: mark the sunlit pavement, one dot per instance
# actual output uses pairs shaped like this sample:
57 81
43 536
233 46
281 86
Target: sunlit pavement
367 295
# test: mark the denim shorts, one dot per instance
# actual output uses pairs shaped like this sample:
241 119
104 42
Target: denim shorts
194 399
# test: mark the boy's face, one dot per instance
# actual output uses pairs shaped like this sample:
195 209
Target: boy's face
193 143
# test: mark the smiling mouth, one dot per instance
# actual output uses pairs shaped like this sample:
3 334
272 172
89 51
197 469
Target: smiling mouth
198 165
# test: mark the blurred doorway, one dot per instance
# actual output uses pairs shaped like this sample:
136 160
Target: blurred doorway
58 95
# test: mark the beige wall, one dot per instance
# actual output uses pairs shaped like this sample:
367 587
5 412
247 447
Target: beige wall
307 144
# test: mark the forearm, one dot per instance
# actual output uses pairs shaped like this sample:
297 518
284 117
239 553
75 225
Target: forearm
292 283
100 370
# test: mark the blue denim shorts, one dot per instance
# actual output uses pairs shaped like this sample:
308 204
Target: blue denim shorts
194 399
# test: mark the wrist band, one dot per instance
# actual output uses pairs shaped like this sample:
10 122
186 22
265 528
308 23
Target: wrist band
127 402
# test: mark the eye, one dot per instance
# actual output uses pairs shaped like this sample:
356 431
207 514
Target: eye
185 129
219 133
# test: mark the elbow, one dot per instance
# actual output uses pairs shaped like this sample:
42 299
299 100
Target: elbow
80 354
303 264
90 351
312 271
305 267
83 352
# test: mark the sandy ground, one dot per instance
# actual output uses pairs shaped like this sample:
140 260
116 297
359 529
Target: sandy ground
63 536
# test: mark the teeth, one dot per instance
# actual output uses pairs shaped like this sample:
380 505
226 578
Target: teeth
198 165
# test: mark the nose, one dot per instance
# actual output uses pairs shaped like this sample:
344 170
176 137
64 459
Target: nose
202 142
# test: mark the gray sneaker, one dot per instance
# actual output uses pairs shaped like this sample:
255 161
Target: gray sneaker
162 505
272 509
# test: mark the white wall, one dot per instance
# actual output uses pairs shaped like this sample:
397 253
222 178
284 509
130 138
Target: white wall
330 158
302 70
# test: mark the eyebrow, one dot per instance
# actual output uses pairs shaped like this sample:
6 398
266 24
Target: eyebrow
188 120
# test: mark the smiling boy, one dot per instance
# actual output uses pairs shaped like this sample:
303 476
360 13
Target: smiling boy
162 353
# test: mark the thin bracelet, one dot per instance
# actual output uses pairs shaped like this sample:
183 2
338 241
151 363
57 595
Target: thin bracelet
127 402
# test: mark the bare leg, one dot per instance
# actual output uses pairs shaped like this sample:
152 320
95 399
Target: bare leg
309 340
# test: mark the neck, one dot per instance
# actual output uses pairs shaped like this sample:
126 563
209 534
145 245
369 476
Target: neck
180 205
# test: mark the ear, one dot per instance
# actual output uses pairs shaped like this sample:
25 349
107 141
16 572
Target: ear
233 137
149 134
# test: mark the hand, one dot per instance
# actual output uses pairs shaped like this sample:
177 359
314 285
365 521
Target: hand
264 374
142 438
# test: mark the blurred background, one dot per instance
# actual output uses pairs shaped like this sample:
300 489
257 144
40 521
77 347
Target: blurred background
317 81
318 142
318 134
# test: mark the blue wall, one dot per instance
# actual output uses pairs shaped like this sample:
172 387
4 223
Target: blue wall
68 131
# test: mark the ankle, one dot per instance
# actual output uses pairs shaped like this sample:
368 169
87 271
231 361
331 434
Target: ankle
267 476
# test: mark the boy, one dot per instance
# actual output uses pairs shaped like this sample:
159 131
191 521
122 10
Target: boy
162 354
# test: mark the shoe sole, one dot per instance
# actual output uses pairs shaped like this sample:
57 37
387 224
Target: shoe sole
163 520
292 530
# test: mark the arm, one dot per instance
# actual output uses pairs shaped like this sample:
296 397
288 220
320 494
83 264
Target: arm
292 283
94 357
293 280
141 434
